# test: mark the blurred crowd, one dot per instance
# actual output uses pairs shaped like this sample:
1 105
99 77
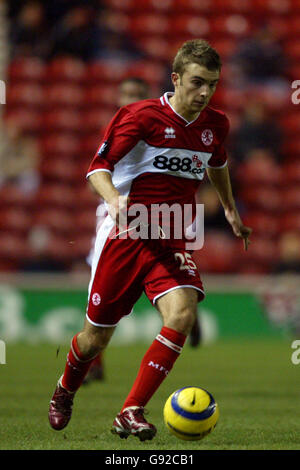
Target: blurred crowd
254 92
77 28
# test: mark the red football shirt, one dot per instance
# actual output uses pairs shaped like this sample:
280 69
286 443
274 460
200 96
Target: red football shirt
156 156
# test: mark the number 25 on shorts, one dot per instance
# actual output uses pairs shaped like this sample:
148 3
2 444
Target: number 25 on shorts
186 261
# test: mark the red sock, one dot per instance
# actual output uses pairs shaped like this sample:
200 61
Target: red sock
155 366
76 368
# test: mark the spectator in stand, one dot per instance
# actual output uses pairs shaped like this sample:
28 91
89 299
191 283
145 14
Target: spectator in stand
41 260
289 254
256 131
118 47
75 35
28 32
261 60
19 159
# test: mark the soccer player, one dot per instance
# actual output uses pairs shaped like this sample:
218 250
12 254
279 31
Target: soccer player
131 89
154 151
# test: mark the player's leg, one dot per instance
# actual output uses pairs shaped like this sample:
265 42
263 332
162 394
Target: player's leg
85 346
96 371
178 309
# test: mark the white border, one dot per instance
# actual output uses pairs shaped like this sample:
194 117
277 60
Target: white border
173 288
98 169
99 324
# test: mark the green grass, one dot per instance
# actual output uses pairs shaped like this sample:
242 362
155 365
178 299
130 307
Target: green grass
254 382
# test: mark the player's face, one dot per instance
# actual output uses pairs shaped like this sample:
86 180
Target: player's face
130 92
195 87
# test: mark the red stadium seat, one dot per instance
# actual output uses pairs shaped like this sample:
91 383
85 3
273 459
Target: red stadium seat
100 95
225 46
26 69
63 120
64 145
12 196
292 149
261 198
291 198
58 170
291 173
101 71
279 26
258 172
293 71
269 7
156 47
15 220
13 248
56 196
193 6
233 6
85 221
294 24
86 199
122 5
238 26
89 145
234 99
262 224
292 49
81 246
56 220
190 25
95 120
62 95
148 24
291 123
25 94
153 73
28 120
66 69
60 248
217 254
290 221
262 255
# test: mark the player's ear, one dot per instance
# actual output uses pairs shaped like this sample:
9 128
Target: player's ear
175 77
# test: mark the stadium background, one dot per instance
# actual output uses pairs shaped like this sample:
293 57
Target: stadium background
62 62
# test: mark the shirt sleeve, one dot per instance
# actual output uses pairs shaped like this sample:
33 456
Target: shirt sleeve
219 156
122 134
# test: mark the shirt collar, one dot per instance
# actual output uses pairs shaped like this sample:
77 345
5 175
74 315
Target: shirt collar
165 102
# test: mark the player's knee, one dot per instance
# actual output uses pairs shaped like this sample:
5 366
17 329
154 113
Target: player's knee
183 319
91 344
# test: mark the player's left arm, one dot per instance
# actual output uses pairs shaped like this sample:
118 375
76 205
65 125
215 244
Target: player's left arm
220 179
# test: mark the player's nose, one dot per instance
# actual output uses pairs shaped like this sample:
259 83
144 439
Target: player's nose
204 91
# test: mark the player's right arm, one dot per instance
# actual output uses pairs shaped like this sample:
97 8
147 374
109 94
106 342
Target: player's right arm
122 134
101 182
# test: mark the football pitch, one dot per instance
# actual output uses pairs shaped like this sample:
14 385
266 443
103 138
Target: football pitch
254 381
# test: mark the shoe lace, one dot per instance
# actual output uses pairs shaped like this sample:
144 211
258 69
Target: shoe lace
139 412
63 401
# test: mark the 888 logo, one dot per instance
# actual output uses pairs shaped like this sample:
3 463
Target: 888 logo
185 164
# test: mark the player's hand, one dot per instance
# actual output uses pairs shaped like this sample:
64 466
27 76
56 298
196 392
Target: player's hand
118 209
239 229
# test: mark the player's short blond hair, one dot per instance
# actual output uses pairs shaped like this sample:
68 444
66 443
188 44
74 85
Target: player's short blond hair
196 51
